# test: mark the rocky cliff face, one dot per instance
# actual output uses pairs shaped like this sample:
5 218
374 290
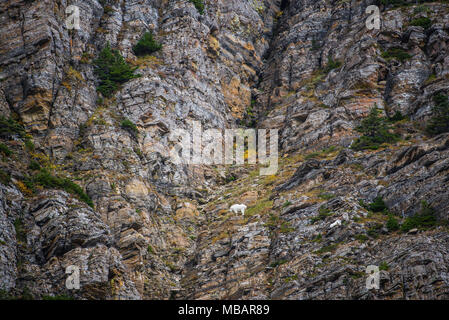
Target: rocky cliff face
158 230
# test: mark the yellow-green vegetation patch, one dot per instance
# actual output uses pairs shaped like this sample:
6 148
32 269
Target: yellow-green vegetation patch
46 179
74 75
326 195
273 221
291 278
146 45
261 207
358 275
4 150
355 167
146 62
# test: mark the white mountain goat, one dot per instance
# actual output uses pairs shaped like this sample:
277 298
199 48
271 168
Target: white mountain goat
238 207
336 223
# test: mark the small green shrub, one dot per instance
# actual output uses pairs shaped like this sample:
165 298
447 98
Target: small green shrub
432 77
5 177
83 129
146 45
112 70
397 117
375 130
439 123
108 87
396 53
315 45
138 152
261 207
361 237
286 227
374 231
129 126
26 294
378 205
5 150
312 155
426 218
326 196
29 145
286 204
392 223
199 5
34 165
384 266
424 22
278 263
421 8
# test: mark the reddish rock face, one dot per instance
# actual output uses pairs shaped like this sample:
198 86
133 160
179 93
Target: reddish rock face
81 186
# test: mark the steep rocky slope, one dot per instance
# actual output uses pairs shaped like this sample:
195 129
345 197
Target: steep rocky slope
160 230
